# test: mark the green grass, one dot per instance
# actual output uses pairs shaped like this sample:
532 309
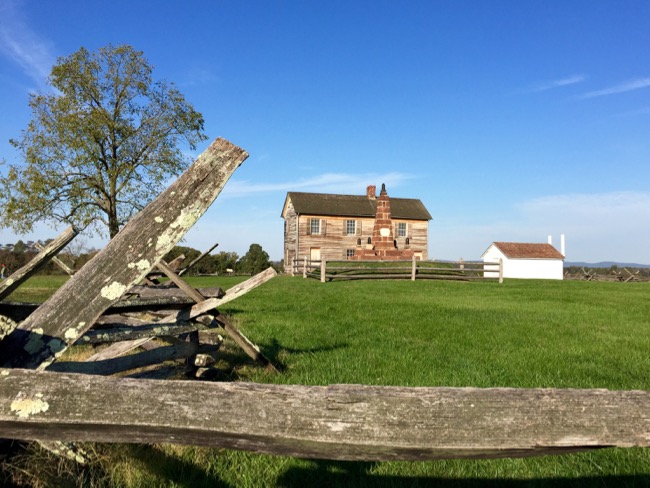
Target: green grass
37 288
565 334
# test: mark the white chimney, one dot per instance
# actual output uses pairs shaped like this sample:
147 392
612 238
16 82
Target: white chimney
550 240
562 250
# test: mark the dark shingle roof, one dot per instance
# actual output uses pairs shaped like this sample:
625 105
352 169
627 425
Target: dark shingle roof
355 206
521 250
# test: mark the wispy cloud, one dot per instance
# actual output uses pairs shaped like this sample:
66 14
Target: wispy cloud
21 44
592 206
344 183
197 77
627 86
599 226
550 85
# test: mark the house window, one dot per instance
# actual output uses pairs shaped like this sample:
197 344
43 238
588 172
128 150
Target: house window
350 227
314 226
349 253
401 229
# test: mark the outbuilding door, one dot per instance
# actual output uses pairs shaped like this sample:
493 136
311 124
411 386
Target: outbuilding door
314 253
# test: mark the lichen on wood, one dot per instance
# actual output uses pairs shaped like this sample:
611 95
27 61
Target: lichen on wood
344 422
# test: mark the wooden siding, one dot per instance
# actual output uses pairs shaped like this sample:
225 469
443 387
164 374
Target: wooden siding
334 242
417 233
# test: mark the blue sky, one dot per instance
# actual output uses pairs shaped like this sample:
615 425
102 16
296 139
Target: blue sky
510 120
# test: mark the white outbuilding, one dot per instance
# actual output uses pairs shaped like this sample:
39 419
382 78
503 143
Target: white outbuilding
524 260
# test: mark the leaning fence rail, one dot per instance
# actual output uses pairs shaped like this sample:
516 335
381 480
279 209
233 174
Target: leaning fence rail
415 269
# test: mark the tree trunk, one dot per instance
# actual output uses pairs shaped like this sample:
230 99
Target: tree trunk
113 223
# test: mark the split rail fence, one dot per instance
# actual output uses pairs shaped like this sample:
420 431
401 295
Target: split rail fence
53 402
623 275
415 269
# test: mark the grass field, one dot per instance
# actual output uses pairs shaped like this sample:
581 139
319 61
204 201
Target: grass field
424 333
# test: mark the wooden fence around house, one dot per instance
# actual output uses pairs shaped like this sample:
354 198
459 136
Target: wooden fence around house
413 270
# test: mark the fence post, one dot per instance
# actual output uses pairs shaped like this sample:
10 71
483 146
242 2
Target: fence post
413 269
322 270
500 270
304 268
461 263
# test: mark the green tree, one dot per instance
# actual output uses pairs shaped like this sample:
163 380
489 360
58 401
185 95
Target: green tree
189 252
225 260
16 256
254 261
100 145
20 247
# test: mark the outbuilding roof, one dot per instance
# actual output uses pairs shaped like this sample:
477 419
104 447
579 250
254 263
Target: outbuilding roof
354 206
522 250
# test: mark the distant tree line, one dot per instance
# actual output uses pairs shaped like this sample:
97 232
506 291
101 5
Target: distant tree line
14 256
224 262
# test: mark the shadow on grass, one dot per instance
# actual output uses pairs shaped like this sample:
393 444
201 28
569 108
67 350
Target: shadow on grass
171 469
350 474
275 352
236 359
112 465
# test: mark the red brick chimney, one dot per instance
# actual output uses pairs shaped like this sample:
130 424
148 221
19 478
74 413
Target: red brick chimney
371 192
382 234
382 245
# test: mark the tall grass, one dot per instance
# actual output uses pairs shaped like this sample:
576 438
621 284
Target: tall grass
423 333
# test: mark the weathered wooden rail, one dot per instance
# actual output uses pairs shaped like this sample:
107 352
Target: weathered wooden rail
350 422
415 269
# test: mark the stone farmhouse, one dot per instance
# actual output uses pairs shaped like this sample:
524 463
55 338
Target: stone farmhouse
353 227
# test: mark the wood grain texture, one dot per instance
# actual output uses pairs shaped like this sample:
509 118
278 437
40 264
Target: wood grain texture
66 269
118 349
350 422
240 339
166 292
125 261
208 305
116 334
158 355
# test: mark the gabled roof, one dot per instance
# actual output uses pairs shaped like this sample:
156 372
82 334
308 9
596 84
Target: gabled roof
522 250
354 206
